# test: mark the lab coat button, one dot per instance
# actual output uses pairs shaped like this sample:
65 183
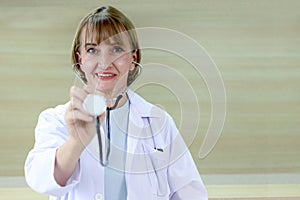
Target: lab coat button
99 196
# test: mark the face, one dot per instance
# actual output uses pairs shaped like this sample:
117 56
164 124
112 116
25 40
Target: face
106 65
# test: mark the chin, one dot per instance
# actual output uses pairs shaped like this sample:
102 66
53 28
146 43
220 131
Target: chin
104 90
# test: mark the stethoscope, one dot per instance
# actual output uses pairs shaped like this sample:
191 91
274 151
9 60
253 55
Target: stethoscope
95 105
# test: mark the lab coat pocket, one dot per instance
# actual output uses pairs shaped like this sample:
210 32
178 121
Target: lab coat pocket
157 164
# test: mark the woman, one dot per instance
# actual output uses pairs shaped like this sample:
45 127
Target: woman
147 159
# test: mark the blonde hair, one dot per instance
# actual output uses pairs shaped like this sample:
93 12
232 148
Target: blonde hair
105 22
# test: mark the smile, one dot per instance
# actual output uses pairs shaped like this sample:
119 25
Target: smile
105 75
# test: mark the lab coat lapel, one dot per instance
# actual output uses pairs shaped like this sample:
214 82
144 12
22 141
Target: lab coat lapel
135 129
138 131
136 123
135 180
138 161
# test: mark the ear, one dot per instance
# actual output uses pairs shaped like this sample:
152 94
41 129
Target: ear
134 58
78 57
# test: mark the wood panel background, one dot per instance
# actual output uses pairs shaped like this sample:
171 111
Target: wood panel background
255 45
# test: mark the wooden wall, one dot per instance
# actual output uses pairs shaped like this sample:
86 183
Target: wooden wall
255 45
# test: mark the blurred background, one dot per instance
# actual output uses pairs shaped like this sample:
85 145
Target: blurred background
255 45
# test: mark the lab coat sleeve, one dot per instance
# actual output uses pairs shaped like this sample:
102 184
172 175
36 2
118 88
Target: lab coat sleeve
184 179
50 133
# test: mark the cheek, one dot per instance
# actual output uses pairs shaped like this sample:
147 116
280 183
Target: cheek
87 64
123 64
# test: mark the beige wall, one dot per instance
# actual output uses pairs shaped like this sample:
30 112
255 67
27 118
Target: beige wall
255 45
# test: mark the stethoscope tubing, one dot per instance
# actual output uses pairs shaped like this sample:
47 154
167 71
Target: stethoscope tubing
104 156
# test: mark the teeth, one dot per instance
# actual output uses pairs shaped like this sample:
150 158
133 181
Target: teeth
105 75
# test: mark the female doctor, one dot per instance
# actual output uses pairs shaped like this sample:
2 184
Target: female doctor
146 156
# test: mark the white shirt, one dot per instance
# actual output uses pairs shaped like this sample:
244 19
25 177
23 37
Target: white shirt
114 172
167 173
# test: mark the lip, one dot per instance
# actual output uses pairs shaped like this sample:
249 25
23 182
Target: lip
105 75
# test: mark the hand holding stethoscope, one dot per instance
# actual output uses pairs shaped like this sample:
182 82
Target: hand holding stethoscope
90 109
80 124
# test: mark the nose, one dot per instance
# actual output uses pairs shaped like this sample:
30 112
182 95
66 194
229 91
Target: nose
104 60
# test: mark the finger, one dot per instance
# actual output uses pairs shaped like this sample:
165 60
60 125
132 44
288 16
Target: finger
77 96
78 93
76 115
76 104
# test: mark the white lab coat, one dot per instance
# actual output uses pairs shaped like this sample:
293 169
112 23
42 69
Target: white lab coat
166 173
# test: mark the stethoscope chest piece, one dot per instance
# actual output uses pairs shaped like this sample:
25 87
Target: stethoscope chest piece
94 104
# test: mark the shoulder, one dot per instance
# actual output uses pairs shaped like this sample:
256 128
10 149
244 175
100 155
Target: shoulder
54 113
50 124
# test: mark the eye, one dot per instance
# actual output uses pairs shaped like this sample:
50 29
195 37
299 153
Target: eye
117 49
91 50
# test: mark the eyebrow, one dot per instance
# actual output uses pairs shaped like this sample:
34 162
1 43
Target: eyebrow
109 43
116 43
90 44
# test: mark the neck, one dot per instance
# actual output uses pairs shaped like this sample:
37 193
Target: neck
111 102
112 96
